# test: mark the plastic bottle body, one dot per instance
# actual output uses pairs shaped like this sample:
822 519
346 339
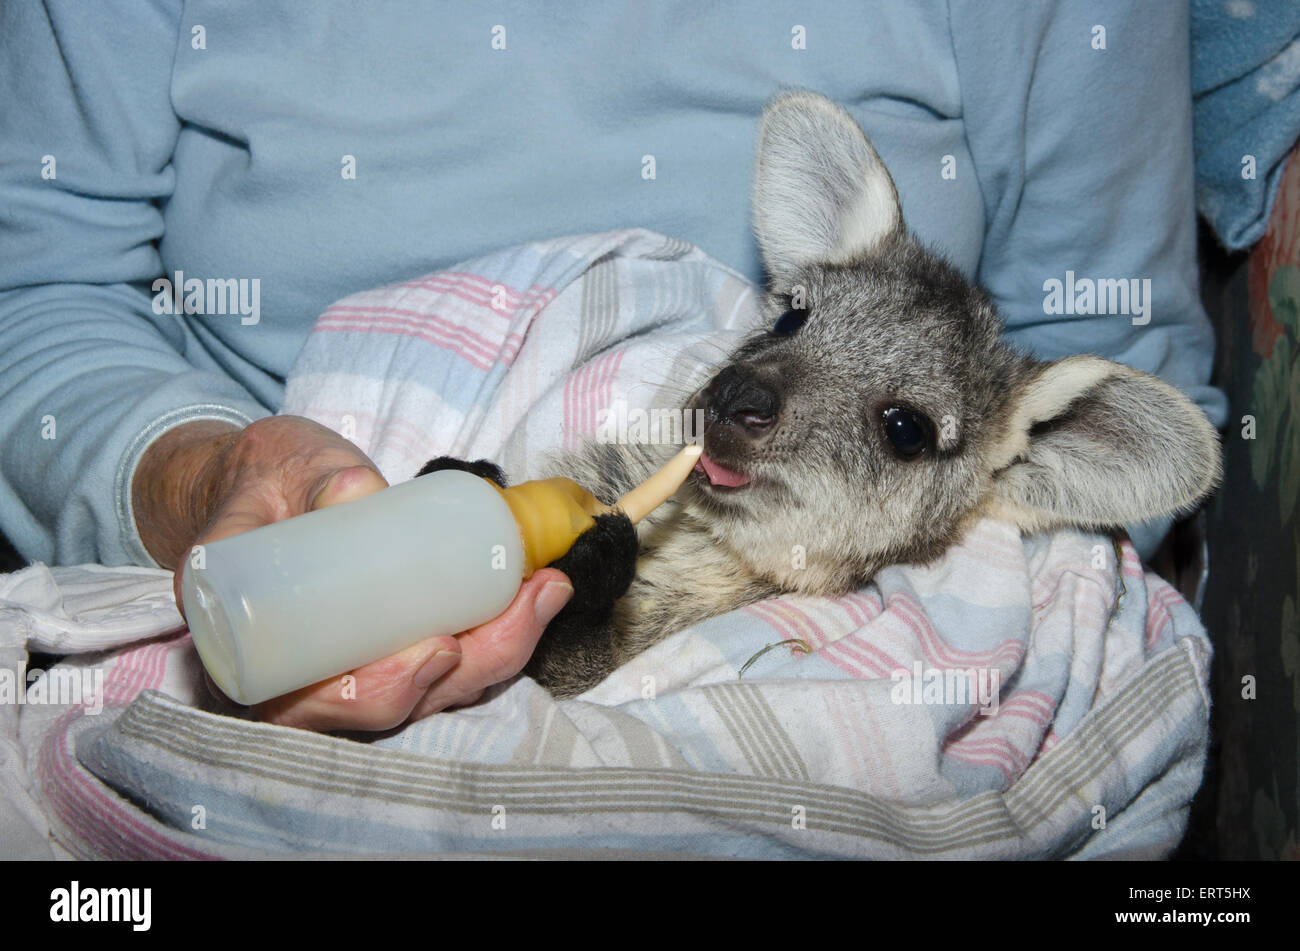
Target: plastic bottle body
305 599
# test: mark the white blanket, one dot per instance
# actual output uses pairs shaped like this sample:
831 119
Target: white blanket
1005 701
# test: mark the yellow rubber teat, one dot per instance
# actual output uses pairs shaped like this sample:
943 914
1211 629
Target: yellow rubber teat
552 513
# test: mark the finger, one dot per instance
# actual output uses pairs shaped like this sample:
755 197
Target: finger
378 696
352 482
253 505
432 703
500 649
243 511
396 689
294 458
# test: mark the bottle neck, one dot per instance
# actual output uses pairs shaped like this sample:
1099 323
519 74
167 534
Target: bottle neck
551 514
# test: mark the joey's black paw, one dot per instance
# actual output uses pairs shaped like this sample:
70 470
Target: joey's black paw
479 467
601 565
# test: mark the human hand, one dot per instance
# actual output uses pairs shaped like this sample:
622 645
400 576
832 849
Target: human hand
433 675
205 481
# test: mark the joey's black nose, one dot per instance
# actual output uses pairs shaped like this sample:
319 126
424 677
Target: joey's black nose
736 395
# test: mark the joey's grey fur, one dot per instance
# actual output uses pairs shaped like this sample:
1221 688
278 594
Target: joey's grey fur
896 350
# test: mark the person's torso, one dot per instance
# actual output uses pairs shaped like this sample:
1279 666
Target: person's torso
327 148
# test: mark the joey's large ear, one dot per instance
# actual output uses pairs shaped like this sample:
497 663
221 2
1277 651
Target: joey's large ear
821 193
1095 444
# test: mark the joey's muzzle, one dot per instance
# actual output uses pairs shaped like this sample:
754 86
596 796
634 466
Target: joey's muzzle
738 397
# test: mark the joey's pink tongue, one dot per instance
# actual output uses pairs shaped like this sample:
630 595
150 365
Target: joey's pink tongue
720 475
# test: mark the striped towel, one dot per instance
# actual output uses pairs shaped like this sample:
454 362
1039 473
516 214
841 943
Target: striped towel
1019 698
519 353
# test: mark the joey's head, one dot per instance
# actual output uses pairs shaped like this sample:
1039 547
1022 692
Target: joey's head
880 410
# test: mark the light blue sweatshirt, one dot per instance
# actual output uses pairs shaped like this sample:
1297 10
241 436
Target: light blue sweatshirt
139 138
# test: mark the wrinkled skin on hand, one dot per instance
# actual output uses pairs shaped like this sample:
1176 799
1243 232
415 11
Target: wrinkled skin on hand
207 481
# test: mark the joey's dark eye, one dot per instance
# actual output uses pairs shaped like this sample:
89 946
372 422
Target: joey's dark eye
789 322
907 431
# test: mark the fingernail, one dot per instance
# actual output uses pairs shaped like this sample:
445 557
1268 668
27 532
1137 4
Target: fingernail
435 667
550 600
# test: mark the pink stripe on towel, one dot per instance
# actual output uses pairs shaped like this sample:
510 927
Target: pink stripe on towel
97 815
586 393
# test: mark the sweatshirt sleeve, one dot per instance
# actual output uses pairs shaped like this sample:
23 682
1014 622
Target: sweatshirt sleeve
89 375
1079 123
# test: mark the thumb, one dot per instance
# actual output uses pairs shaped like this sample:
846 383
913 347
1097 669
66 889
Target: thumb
352 482
341 485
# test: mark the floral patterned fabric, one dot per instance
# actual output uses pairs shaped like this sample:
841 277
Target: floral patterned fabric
1254 537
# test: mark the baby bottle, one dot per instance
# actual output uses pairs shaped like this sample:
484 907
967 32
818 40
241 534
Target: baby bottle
314 596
